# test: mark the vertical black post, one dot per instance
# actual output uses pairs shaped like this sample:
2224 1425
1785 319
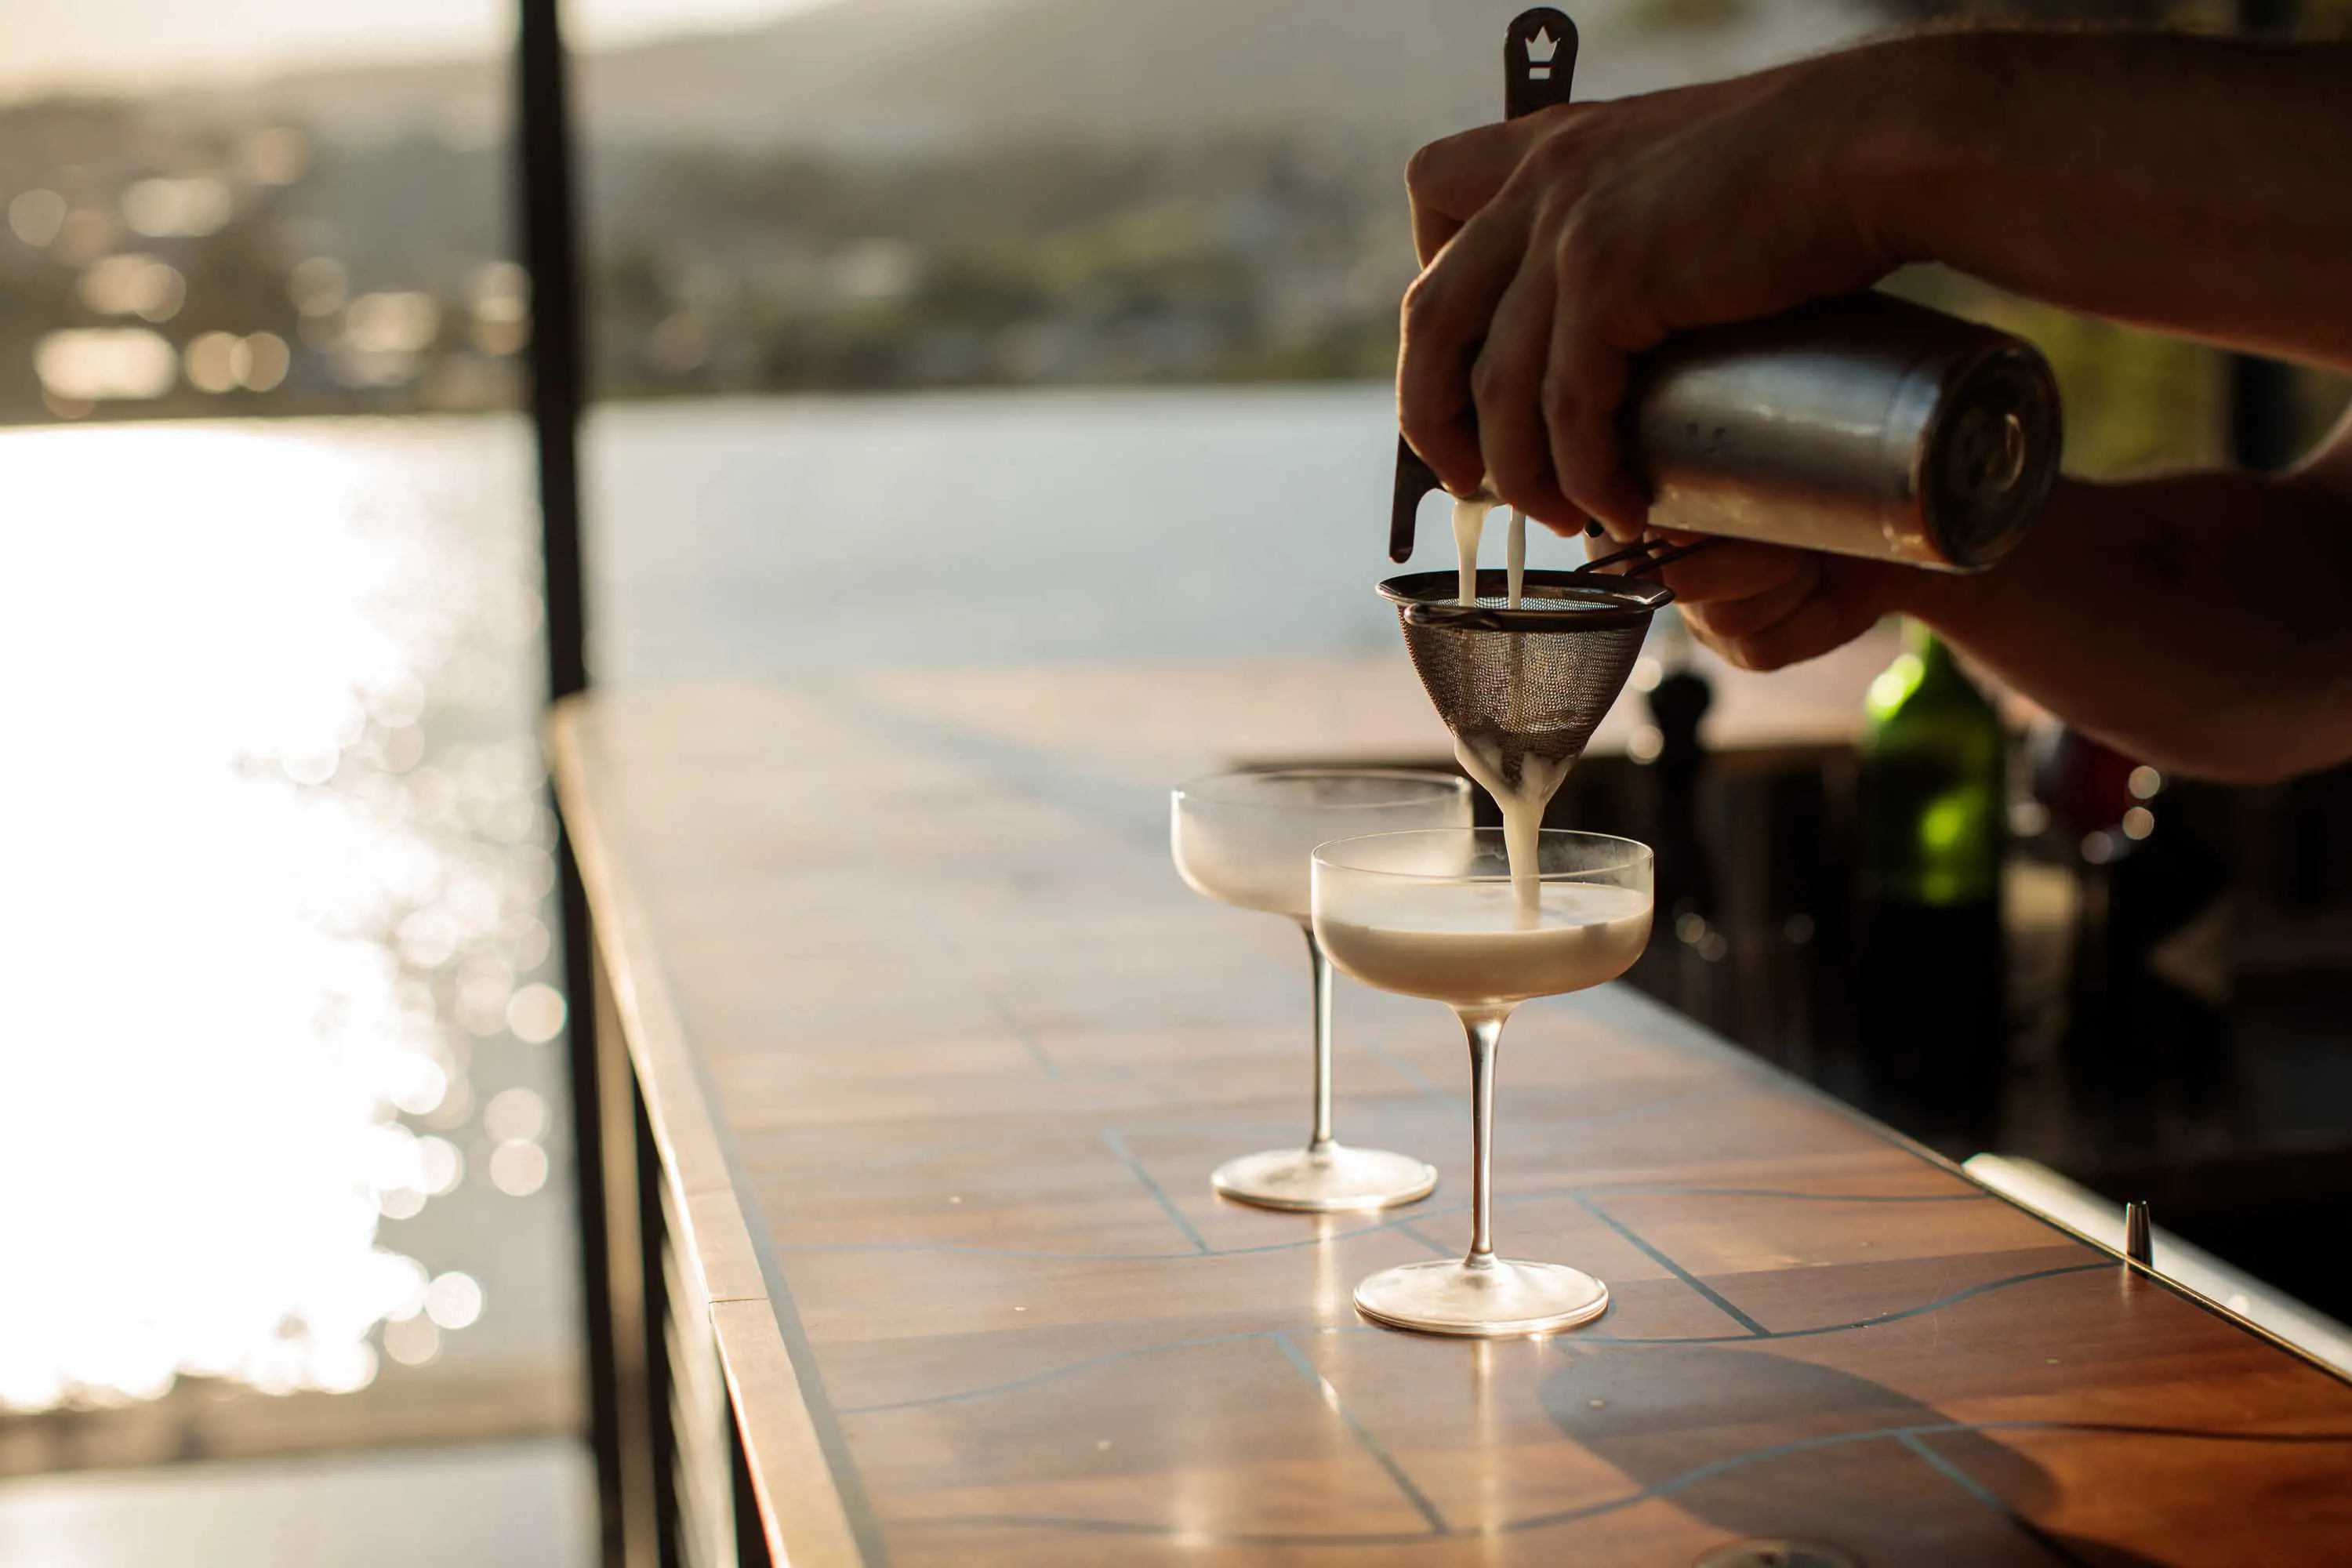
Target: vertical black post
542 144
551 252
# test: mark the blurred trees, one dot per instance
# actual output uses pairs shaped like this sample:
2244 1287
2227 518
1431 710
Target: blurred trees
1272 252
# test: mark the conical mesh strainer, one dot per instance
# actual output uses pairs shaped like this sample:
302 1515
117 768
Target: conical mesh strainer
1528 682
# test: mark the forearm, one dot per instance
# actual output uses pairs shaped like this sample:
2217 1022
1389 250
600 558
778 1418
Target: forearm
2203 623
2200 186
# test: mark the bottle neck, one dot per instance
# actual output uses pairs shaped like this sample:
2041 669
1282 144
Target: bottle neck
1920 641
1931 673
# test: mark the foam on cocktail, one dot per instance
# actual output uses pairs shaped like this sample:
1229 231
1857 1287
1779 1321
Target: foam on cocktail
1469 944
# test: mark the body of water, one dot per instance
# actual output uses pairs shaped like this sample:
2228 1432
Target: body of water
283 1047
732 538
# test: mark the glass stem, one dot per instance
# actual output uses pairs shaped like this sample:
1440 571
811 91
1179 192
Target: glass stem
1322 1138
1486 1032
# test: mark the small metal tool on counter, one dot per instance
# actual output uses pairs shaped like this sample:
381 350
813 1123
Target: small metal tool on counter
1863 425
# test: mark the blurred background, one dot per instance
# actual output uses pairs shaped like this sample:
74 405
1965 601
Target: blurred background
912 324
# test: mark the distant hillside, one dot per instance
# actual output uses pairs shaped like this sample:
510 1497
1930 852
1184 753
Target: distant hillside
889 75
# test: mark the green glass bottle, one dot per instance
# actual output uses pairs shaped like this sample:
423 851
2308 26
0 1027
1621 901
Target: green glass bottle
1934 778
1928 995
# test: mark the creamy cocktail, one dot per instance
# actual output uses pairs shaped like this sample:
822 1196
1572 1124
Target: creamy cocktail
1435 913
1247 839
1468 947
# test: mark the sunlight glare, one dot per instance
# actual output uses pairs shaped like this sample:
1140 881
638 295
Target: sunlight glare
230 935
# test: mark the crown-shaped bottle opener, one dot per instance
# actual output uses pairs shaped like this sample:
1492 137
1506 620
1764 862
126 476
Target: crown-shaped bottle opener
1539 65
1541 49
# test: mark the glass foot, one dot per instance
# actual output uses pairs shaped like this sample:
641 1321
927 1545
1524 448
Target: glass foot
1501 1299
1333 1180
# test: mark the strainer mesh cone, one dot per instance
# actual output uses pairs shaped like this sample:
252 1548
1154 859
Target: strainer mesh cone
1512 694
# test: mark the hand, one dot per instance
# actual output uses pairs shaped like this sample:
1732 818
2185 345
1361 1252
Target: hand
1763 606
1556 245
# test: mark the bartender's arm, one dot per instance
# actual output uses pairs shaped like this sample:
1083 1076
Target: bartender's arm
2197 186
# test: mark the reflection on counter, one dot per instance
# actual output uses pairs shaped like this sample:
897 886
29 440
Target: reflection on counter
2147 986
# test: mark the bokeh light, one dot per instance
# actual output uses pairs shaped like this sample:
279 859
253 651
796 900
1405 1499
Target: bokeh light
134 284
454 1300
412 1341
35 216
98 364
178 209
275 846
535 1014
518 1169
516 1115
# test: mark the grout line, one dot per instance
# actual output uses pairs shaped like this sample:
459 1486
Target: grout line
1408 1228
1045 1064
1721 1301
1118 1146
1977 1490
1373 1445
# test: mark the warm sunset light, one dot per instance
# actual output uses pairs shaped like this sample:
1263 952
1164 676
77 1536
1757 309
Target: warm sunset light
242 880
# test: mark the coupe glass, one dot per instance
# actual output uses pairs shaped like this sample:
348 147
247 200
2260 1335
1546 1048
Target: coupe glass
1437 914
1245 839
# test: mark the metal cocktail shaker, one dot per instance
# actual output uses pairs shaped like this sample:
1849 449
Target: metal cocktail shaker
1865 425
1862 426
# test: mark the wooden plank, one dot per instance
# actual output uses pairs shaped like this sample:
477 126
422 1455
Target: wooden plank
913 974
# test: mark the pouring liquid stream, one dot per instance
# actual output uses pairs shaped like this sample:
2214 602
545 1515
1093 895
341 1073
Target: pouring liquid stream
1523 807
1469 529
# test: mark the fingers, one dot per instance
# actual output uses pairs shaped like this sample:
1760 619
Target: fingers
1840 600
1730 568
1731 620
1451 179
1447 314
1584 381
1825 621
1504 384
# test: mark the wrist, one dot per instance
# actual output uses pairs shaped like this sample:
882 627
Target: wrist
1922 151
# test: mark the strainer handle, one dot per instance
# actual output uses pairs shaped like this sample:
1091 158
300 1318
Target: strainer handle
1637 558
1538 69
1414 479
1538 61
1668 557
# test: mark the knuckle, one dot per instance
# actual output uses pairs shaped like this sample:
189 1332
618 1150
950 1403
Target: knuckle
1582 252
1564 408
1431 429
1584 457
1580 397
1424 303
1424 429
1560 155
1422 170
1515 472
1489 381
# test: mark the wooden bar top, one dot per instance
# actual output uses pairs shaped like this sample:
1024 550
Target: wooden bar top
939 1054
